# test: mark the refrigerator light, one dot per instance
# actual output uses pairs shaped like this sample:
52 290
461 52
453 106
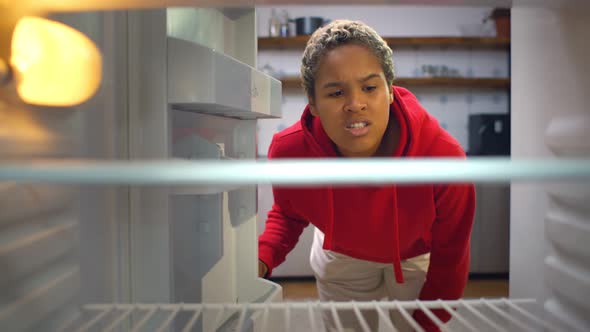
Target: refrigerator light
53 64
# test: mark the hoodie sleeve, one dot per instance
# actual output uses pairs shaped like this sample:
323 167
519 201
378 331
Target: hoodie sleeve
283 226
449 259
280 236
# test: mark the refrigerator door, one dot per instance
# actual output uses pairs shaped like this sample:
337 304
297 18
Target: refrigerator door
78 245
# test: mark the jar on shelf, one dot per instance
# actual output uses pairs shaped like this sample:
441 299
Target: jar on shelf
285 30
274 24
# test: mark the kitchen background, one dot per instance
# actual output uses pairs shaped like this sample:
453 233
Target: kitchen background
453 103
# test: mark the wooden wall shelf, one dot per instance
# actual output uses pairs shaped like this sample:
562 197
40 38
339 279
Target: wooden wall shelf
298 42
294 82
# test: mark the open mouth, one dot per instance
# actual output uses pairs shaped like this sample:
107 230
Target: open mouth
360 124
358 128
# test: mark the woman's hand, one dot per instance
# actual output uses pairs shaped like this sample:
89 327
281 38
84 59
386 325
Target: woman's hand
262 269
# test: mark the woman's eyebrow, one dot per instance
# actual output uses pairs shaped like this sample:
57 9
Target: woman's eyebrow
332 84
338 83
368 77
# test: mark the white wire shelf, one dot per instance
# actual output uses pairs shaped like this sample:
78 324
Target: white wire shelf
468 315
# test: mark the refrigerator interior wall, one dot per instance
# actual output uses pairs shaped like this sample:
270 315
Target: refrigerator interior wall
60 245
567 273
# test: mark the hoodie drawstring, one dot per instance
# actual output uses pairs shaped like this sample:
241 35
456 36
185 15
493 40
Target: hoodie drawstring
330 227
397 265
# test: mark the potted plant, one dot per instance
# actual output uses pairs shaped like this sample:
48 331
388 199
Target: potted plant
501 17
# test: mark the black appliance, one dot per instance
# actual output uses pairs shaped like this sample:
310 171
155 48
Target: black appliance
308 24
489 134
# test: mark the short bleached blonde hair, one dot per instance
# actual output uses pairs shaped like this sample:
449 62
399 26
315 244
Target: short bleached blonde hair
338 33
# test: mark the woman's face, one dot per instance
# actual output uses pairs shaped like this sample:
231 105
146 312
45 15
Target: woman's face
352 99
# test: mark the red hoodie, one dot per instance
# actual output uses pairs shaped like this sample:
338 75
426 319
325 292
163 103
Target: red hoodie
383 224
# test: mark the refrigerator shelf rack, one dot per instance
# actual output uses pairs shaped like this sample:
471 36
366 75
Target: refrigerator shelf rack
470 315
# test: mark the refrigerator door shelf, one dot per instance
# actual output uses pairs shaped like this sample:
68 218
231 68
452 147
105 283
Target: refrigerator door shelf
203 80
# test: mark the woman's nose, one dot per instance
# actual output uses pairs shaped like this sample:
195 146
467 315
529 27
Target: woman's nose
356 102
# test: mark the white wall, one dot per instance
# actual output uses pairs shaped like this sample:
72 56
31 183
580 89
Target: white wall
451 106
550 77
388 20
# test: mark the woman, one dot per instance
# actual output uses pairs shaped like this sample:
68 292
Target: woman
371 242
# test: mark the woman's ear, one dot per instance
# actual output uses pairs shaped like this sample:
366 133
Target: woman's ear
312 108
391 94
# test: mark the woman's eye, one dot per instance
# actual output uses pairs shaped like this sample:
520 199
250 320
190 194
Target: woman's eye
370 88
335 93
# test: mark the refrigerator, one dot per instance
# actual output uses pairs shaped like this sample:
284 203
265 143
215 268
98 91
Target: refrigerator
107 222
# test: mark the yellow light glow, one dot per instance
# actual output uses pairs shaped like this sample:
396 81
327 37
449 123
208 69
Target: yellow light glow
54 64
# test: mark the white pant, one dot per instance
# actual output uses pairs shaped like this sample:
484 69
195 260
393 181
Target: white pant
343 278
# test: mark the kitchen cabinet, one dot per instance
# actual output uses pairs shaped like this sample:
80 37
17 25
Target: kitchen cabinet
496 43
298 42
291 82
